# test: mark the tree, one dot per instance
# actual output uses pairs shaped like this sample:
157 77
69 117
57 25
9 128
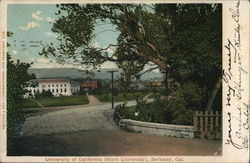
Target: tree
46 94
196 42
183 40
129 69
17 78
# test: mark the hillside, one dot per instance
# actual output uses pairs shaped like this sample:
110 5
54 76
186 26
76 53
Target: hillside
77 73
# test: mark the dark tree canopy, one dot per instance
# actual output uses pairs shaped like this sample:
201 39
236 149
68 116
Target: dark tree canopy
17 80
183 40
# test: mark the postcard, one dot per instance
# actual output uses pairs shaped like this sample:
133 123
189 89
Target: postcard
124 81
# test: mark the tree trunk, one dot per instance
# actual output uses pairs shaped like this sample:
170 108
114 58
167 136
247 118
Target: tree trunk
214 93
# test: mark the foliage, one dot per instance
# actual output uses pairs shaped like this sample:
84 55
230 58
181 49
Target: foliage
102 90
55 101
125 81
17 78
151 112
183 40
189 95
127 112
181 103
29 103
177 108
81 92
46 94
144 112
125 96
143 30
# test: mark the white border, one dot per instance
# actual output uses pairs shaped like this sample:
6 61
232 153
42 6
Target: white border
230 154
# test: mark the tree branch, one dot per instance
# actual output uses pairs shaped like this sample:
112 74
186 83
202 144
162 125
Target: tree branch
106 31
112 45
155 50
151 69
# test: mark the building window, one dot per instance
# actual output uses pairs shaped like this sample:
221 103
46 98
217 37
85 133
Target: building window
65 85
61 90
56 90
43 90
57 85
49 85
52 85
65 90
61 85
53 91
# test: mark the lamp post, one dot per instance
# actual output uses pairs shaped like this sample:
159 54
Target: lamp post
112 86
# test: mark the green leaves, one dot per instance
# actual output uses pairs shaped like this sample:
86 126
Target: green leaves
178 33
184 40
17 78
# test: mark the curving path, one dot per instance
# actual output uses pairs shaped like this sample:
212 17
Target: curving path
68 120
89 130
93 116
93 100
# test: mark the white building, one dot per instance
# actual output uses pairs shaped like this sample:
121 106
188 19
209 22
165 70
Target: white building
57 86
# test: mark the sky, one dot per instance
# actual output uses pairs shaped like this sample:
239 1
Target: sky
31 24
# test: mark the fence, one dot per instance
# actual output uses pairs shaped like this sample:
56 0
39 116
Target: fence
208 124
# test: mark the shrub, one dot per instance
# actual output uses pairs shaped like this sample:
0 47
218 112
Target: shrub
181 103
81 92
127 112
102 90
183 117
177 108
46 94
150 112
17 78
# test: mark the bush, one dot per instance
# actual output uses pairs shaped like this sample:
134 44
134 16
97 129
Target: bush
177 108
145 112
46 94
98 91
183 117
127 112
181 103
151 112
81 92
17 78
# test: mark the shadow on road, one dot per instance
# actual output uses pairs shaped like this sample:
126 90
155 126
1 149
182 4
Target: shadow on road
112 143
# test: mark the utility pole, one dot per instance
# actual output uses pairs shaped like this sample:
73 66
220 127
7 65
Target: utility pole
112 86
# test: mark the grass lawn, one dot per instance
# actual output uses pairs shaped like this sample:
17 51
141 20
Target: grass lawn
122 96
55 101
26 103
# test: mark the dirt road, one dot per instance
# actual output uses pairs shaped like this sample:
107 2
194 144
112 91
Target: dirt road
96 117
89 130
113 143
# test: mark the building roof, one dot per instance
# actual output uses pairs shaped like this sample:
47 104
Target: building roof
53 80
89 81
41 80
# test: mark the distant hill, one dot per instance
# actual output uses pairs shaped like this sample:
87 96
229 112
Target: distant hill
77 73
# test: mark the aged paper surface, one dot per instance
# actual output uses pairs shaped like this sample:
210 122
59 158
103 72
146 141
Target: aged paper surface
235 82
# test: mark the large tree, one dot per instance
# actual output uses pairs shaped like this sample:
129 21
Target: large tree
17 80
183 40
